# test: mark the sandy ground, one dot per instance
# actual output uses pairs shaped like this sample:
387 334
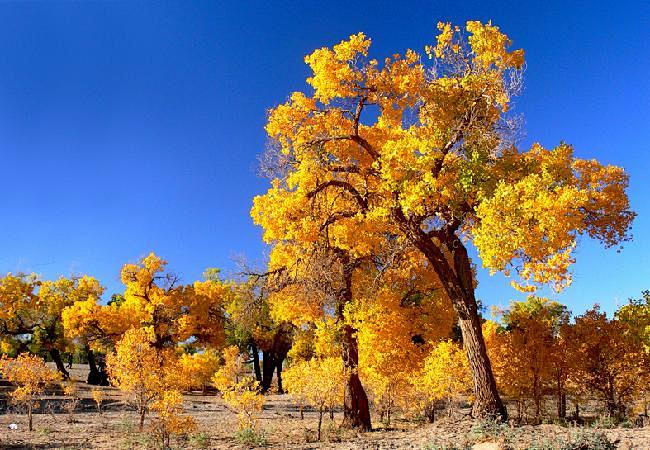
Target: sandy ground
280 423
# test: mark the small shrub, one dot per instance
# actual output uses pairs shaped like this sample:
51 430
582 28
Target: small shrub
200 440
72 393
577 440
251 436
432 446
604 422
98 397
493 430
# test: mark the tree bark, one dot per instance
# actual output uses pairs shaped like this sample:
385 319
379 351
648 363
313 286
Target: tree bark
356 409
143 412
56 357
320 420
457 280
94 376
268 367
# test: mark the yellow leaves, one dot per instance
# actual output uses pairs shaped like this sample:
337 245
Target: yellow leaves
533 222
316 382
231 370
446 372
170 420
489 46
444 41
244 397
142 273
98 397
239 391
136 365
334 71
198 368
357 44
153 299
29 373
608 217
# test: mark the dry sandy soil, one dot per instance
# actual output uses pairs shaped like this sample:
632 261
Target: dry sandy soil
281 426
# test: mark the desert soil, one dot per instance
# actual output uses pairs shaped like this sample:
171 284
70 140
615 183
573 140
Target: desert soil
280 423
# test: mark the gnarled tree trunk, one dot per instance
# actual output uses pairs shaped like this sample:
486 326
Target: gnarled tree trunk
268 367
356 409
94 376
456 276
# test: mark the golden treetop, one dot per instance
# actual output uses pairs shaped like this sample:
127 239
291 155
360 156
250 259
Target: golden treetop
414 144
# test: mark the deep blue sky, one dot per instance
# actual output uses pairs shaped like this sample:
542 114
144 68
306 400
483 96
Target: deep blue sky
133 127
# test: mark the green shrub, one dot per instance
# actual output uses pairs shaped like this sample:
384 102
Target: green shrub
577 440
250 436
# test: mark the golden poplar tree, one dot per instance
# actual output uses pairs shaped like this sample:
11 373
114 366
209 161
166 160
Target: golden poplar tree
416 149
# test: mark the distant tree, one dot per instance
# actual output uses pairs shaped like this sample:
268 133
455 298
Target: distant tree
607 360
32 307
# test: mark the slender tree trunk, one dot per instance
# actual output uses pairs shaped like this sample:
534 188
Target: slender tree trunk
256 362
56 357
29 415
320 420
537 397
143 411
279 375
561 397
611 398
457 280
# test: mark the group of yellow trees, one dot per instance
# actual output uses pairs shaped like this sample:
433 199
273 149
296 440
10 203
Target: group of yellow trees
381 177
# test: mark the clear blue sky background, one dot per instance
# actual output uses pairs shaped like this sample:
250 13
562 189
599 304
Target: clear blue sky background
133 127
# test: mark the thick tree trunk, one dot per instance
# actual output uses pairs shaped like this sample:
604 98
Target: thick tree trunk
94 376
256 362
356 409
56 357
268 367
487 403
457 279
